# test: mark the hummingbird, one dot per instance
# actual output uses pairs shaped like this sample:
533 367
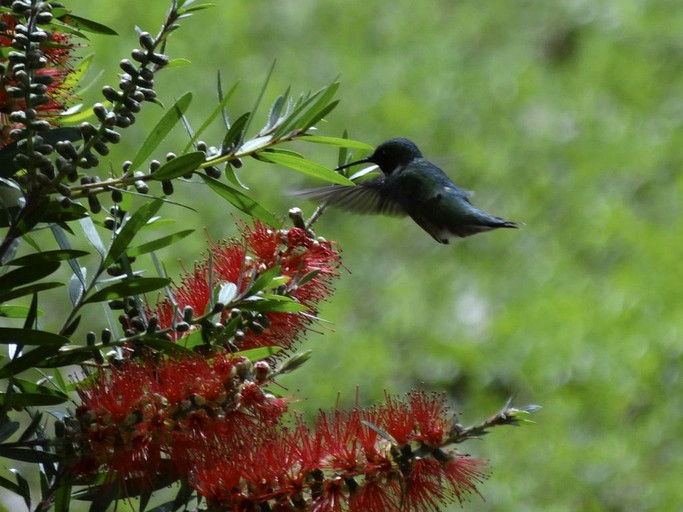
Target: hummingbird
411 185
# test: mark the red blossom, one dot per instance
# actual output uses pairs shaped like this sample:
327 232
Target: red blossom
240 262
431 421
135 417
463 473
424 491
376 496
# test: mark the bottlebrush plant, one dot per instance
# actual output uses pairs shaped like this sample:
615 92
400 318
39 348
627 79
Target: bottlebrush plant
174 384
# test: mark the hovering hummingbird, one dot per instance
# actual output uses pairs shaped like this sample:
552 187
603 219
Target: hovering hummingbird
411 185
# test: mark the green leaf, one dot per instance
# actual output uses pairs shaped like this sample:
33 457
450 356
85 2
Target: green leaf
128 288
28 360
11 335
234 134
263 280
9 485
241 201
177 63
273 306
46 257
336 141
305 167
28 386
92 236
27 290
63 498
193 8
163 127
87 25
34 426
307 110
8 311
167 347
17 399
318 116
256 354
67 357
159 243
276 111
180 166
8 429
24 488
28 455
24 275
130 229
258 100
52 211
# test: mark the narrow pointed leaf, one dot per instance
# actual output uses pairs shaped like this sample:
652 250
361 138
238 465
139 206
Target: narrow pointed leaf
9 485
336 141
256 354
159 243
27 290
305 167
24 488
241 201
273 306
24 275
127 288
315 117
91 234
130 229
161 130
168 347
8 311
77 286
301 116
263 280
8 429
9 335
87 25
67 357
179 166
234 134
258 99
28 360
19 400
46 257
63 498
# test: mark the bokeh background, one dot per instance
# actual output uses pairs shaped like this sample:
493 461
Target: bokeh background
566 115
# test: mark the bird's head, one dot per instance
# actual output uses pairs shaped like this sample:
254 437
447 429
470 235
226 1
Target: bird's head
390 155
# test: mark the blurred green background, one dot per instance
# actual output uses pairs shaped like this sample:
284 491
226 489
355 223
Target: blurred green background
565 115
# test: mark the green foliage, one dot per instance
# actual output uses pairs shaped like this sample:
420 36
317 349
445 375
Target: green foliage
564 115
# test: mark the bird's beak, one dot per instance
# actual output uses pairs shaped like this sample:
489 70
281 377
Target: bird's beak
363 161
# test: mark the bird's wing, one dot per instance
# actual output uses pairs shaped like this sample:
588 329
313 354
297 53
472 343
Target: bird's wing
367 197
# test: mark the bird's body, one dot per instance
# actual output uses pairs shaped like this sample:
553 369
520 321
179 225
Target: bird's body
411 185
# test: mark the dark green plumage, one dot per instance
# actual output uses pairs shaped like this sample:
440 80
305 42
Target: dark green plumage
411 185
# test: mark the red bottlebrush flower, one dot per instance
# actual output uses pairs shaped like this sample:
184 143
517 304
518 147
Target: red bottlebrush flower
332 498
57 51
148 411
376 496
462 474
395 418
424 491
431 421
266 407
339 434
240 263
